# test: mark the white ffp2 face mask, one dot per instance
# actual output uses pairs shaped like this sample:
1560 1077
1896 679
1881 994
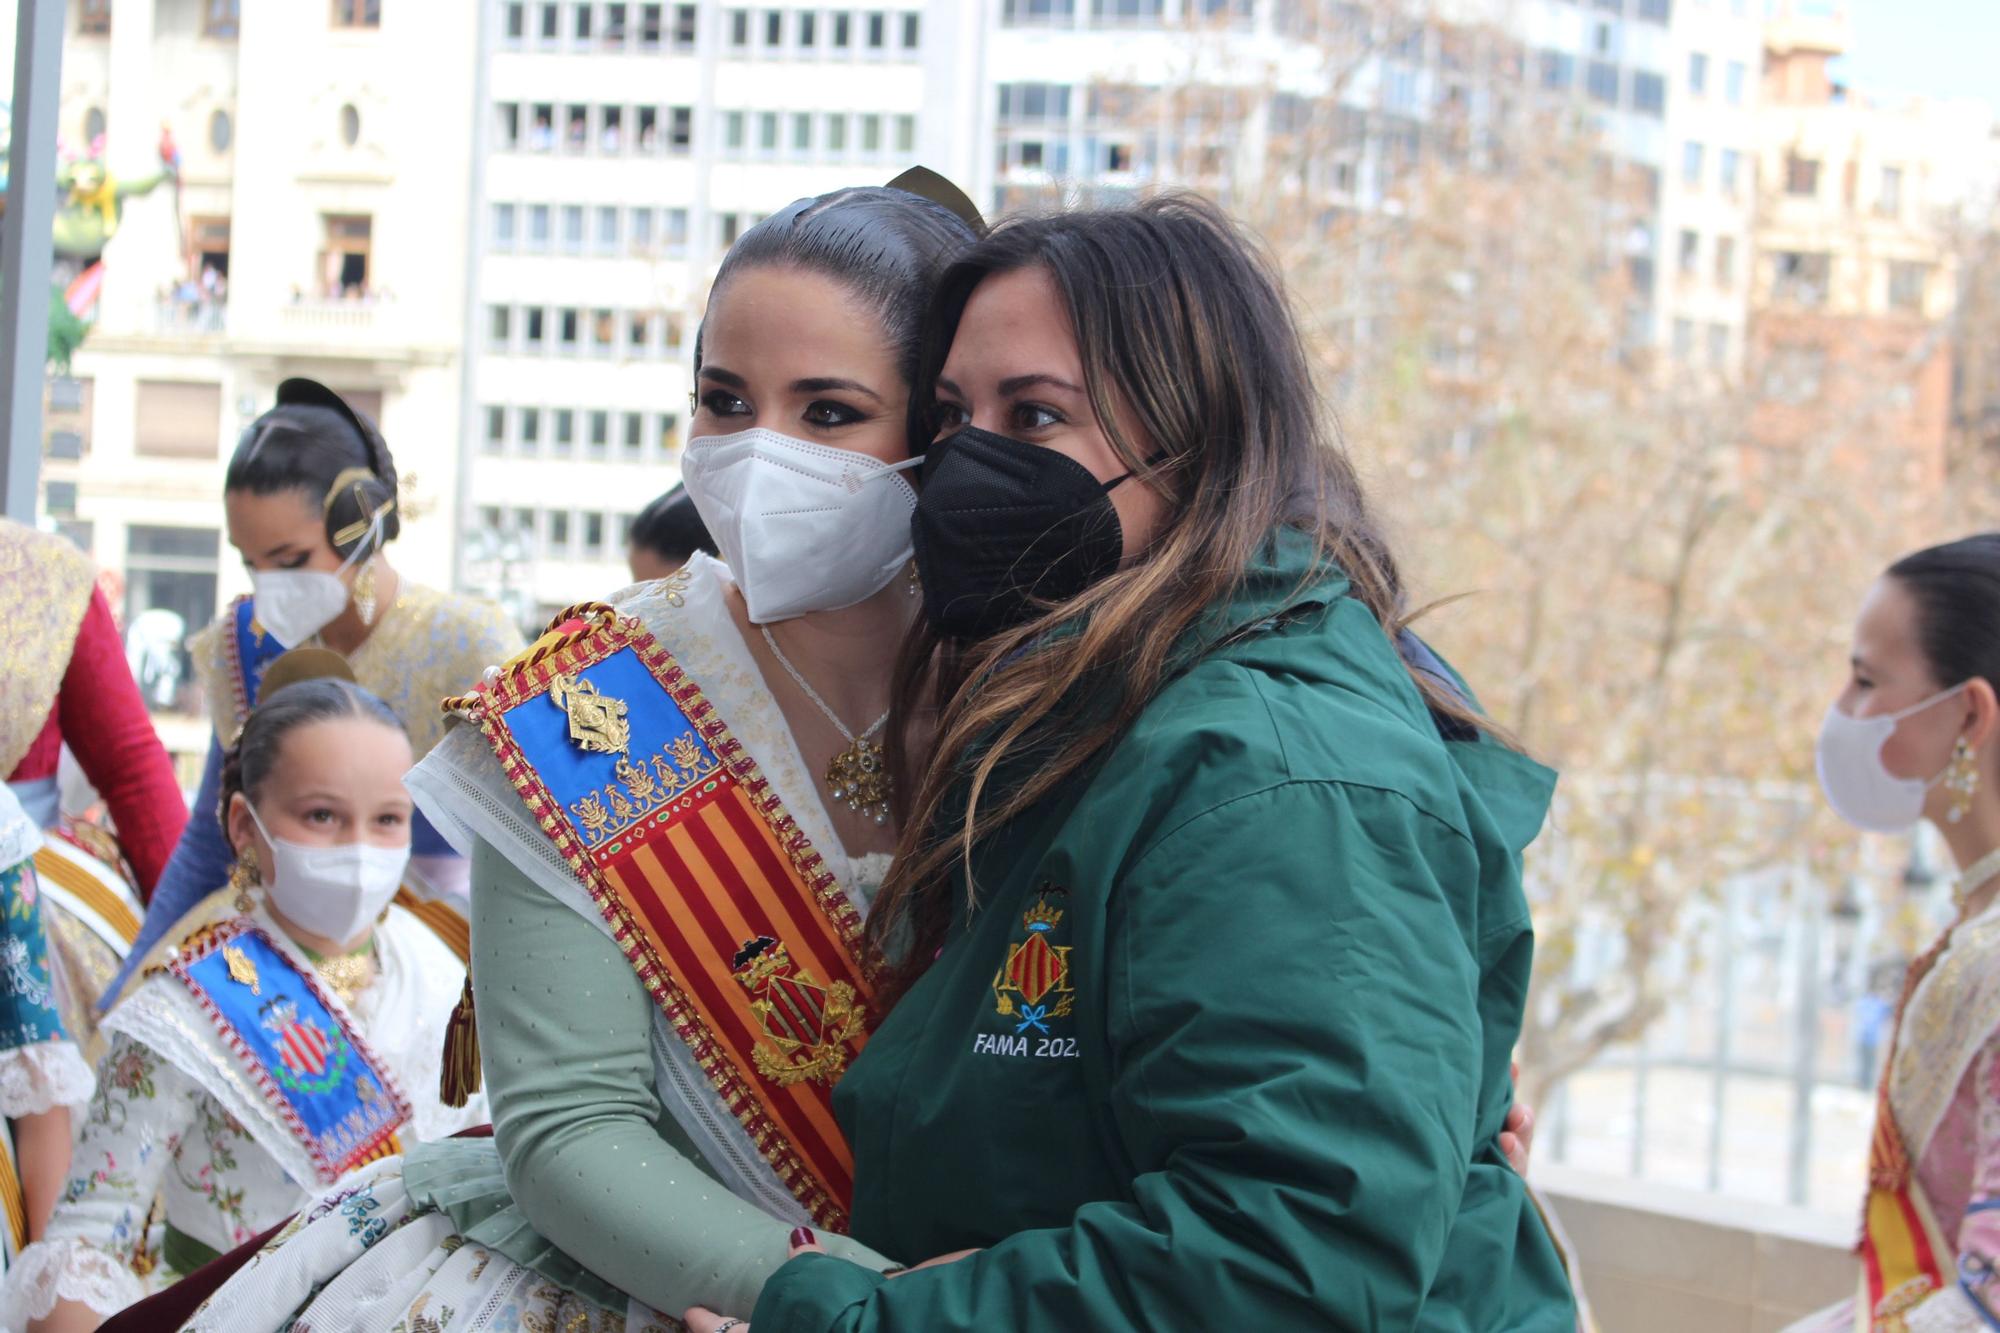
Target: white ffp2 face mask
803 527
1851 773
295 604
334 892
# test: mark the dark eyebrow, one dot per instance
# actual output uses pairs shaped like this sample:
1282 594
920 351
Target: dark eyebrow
721 376
832 384
281 551
946 386
1008 388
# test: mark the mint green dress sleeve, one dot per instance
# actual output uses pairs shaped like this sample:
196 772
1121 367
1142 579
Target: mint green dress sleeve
591 1158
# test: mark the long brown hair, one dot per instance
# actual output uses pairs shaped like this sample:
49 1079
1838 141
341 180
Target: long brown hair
1181 321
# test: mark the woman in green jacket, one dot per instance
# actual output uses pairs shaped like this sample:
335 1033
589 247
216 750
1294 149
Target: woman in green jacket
1210 896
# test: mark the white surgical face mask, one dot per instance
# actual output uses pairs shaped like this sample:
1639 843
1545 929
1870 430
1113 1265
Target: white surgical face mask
1858 787
334 892
803 527
295 604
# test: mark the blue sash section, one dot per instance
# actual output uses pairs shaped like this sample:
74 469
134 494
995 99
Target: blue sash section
256 649
312 1067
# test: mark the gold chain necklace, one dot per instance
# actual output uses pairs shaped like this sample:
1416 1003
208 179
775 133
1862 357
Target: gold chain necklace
857 777
348 975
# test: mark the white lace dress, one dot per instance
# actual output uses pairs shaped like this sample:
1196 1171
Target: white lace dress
178 1158
444 1246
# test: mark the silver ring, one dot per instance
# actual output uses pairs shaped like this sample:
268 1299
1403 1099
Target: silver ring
728 1324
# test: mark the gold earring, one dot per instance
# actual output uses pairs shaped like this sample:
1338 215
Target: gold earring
1962 779
364 592
243 877
916 584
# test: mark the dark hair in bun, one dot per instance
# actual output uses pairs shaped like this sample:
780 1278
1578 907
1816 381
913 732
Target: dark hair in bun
314 442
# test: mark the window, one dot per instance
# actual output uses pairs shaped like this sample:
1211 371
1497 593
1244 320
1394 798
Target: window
1558 70
1889 201
607 230
550 27
603 332
1659 11
1907 285
684 27
593 535
669 432
534 329
675 232
576 129
1803 277
572 228
611 129
1037 13
172 569
508 128
600 433
1698 74
93 124
564 432
344 259
767 132
350 125
219 19
912 30
516 27
1725 261
177 419
499 327
652 27
727 225
489 515
495 438
732 130
638 333
1690 252
580 29
1731 171
836 132
674 332
1733 80
1692 155
569 321
639 229
906 134
843 31
1124 11
1683 340
871 133
1801 175
357 13
878 30
739 29
774 28
209 236
1600 80
635 436
808 30
558 532
680 129
542 133
649 129
1649 94
538 226
802 131
614 26
1718 345
93 19
524 523
530 438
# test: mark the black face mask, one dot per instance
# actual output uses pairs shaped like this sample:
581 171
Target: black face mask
1001 524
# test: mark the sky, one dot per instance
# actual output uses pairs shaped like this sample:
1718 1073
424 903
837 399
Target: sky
1944 48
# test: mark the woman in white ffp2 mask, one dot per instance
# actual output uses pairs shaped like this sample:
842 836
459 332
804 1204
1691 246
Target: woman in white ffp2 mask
311 499
270 1048
1915 737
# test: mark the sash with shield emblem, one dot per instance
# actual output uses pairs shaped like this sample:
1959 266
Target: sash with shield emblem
732 921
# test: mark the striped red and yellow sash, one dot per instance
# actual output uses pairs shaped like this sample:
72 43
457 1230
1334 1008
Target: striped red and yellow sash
1903 1255
729 916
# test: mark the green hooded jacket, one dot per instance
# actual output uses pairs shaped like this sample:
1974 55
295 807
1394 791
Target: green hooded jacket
1226 1043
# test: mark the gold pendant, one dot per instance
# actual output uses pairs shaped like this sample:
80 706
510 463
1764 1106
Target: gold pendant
858 777
348 975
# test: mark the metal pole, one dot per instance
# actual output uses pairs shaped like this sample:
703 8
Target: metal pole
476 223
1725 1027
28 253
1806 1054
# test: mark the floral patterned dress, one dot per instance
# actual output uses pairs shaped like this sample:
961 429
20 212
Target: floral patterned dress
166 1173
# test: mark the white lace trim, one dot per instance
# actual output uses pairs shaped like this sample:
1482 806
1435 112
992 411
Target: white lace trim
65 1270
38 1078
1946 1311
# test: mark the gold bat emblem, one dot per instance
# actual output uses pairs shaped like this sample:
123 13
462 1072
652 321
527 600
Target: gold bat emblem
241 969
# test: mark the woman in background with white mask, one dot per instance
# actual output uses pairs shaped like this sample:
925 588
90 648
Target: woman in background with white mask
311 502
1915 737
261 1057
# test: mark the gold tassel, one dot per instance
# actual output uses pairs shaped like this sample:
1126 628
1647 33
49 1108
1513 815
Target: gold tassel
459 1076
